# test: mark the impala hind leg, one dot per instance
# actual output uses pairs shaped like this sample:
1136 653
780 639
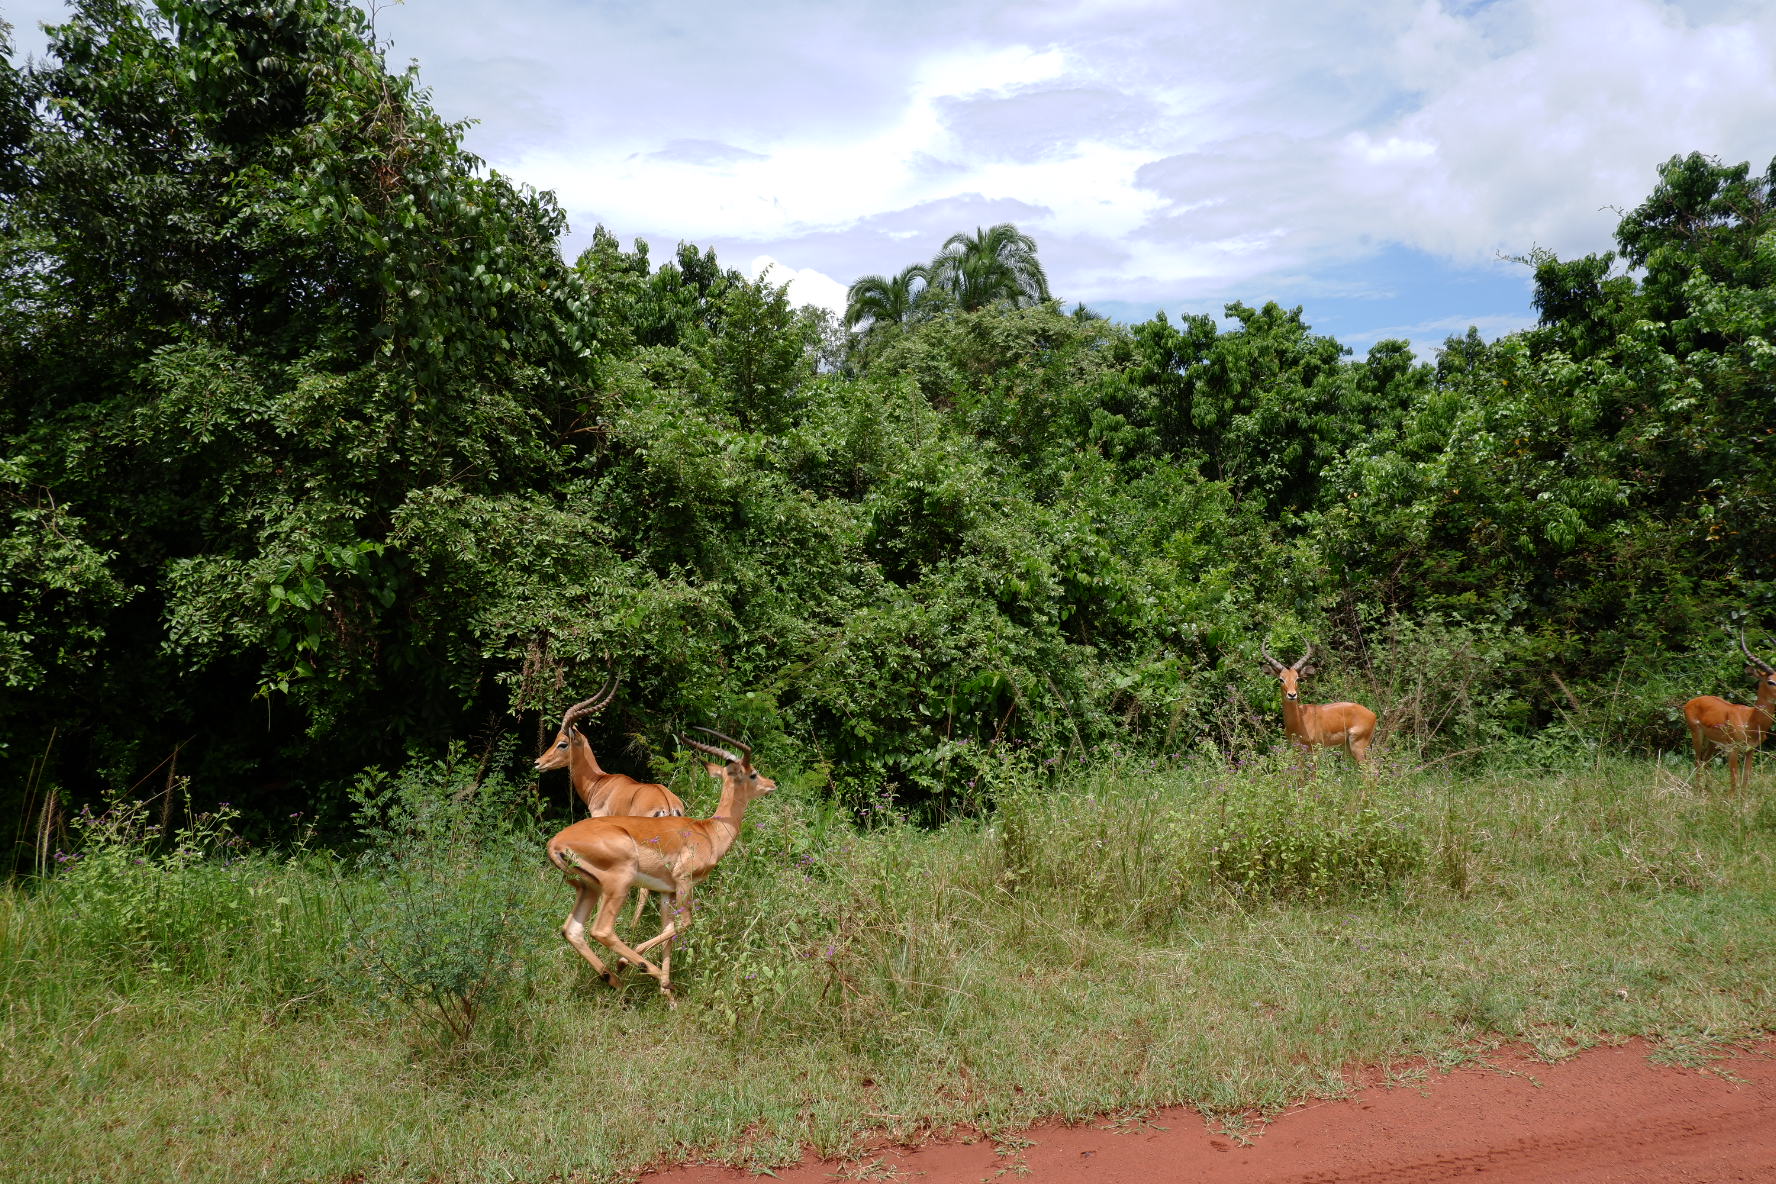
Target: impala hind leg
1358 743
573 930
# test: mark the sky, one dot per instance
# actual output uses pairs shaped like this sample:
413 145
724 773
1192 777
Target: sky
1379 163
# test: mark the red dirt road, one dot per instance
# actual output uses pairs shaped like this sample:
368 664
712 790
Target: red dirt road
1607 1116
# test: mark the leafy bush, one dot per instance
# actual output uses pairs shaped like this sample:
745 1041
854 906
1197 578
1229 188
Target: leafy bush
1437 682
285 430
448 843
140 899
1275 833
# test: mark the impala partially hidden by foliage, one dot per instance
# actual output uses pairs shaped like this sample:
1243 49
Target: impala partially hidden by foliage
604 794
1731 729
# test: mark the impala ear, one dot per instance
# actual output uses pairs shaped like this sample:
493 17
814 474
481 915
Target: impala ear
715 770
1753 672
1271 665
1308 671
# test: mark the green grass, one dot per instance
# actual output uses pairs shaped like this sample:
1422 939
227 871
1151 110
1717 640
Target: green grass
1081 953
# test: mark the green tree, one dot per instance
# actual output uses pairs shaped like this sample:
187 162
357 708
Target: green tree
1703 218
879 308
312 449
256 301
1606 481
990 266
878 301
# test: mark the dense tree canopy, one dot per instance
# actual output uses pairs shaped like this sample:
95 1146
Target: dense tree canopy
313 450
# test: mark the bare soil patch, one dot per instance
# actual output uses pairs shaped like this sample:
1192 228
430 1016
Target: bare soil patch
1606 1116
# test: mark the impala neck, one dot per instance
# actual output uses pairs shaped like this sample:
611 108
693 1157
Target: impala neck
724 824
580 758
1764 710
583 768
1292 714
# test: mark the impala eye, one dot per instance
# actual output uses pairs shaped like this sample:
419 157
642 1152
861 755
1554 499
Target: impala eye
561 745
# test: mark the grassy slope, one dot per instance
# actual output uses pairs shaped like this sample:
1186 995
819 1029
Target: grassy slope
1070 959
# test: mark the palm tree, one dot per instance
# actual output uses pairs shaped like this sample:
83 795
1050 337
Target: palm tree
876 301
992 265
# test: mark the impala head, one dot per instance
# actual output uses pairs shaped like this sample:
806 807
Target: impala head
555 756
735 771
1290 676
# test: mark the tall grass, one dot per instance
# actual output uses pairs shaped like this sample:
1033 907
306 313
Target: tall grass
1113 936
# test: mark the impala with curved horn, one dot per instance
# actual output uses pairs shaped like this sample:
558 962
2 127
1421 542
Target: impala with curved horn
1330 725
1738 731
605 794
604 857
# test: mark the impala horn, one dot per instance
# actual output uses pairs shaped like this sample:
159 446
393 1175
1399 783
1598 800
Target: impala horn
711 749
740 744
593 705
1302 661
1270 661
1755 660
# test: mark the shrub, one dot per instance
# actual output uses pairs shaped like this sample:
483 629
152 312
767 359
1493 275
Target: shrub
137 898
447 846
1112 843
1437 683
1275 833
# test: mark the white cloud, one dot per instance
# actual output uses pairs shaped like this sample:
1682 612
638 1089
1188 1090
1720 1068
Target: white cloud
806 286
982 72
1541 143
1158 152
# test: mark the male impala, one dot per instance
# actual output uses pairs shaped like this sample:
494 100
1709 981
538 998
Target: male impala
1330 725
1738 731
604 857
605 794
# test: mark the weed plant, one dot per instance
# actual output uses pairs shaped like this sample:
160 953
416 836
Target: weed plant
447 840
1098 943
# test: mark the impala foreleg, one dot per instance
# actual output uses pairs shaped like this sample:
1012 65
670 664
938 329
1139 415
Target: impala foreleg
574 928
1700 746
665 933
667 913
604 931
668 927
1307 756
